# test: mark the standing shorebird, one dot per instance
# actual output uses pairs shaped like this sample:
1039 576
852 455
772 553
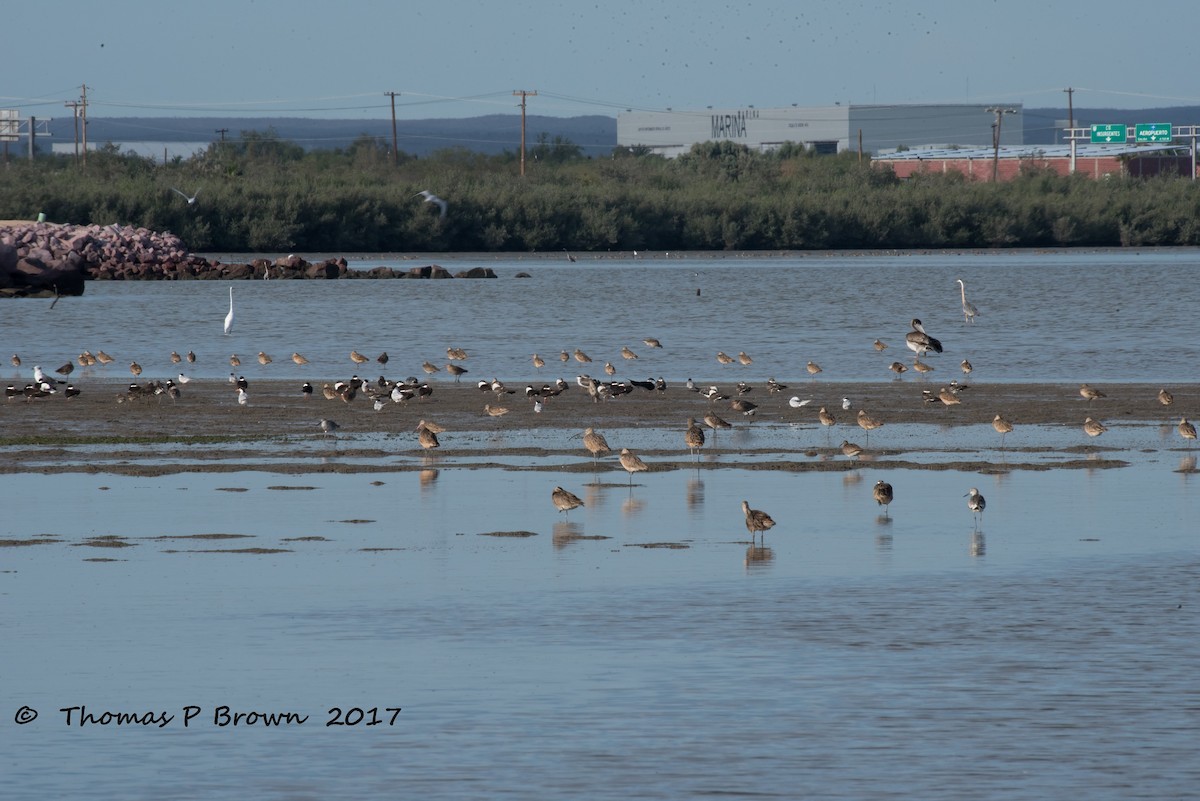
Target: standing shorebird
1093 428
456 371
328 427
693 437
632 463
724 358
883 495
825 418
427 436
1165 398
966 367
175 357
948 398
1089 394
358 358
714 422
868 423
135 368
813 368
898 368
920 342
744 359
1186 429
921 367
595 444
968 308
234 361
1003 427
850 450
263 359
626 353
880 346
976 504
538 361
298 359
757 521
582 357
651 342
565 500
495 411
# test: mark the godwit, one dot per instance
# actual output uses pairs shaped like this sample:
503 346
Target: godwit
427 437
966 367
581 357
813 368
626 353
898 368
175 357
883 495
456 371
948 398
1093 428
298 359
1165 398
632 463
495 411
714 422
724 358
135 368
357 357
1003 427
880 346
850 450
565 500
744 359
263 359
538 361
868 423
234 361
757 521
1089 394
921 367
1186 429
693 437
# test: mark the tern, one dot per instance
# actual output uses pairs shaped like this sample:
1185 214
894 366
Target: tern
190 200
432 198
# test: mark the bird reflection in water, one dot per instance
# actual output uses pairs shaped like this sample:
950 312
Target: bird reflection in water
593 494
883 541
883 520
566 532
428 477
695 494
1187 465
851 478
758 557
632 506
978 543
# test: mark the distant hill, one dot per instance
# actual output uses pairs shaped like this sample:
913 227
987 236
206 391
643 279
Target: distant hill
1043 126
490 134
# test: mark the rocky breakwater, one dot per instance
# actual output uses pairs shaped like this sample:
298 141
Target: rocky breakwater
48 260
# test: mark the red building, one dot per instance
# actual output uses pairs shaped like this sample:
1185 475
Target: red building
1095 161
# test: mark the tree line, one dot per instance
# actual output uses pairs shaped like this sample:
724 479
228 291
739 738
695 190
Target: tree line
265 194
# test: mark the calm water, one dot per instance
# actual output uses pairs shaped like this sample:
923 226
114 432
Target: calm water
1049 652
1070 317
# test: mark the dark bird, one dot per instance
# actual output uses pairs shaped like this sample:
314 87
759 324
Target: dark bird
757 521
919 342
883 495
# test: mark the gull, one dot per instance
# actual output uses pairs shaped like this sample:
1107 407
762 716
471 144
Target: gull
328 426
432 198
757 521
845 404
976 504
229 316
883 495
190 200
565 500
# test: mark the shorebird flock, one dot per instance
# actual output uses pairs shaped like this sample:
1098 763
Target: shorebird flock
735 397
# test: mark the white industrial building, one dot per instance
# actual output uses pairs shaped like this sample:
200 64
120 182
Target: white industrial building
827 129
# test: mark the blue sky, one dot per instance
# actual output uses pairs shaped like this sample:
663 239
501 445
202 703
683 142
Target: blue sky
458 59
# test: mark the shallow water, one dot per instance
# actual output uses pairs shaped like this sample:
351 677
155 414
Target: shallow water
1048 652
1044 316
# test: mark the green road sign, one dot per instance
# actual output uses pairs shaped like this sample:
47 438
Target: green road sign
1106 134
1152 132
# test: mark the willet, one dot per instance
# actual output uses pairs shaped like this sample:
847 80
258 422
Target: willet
432 198
595 444
883 495
693 437
565 500
920 342
1003 428
632 464
757 521
229 317
968 309
1093 428
1089 393
976 503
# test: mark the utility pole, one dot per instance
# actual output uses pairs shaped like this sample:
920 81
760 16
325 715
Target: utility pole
222 132
522 93
1070 107
32 136
74 106
999 112
395 157
83 109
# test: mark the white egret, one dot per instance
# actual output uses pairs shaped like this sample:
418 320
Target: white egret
229 317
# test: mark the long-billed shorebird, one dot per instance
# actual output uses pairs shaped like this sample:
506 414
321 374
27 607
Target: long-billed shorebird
850 450
880 345
899 368
966 367
328 427
651 342
757 521
298 359
495 411
1093 428
744 359
1003 428
868 423
693 437
234 361
1089 393
626 353
565 500
714 421
358 358
1186 429
883 495
456 371
595 444
632 463
263 359
538 361
427 437
813 368
948 398
920 342
976 503
724 358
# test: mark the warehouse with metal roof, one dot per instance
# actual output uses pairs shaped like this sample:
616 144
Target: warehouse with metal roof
827 129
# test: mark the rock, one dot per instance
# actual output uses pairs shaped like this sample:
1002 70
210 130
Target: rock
476 272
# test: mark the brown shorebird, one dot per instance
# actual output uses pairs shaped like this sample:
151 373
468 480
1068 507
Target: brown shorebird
880 346
948 398
632 463
581 357
724 358
457 354
103 357
744 359
883 495
431 426
693 437
16 360
825 418
976 504
382 358
135 368
538 361
757 521
564 500
298 359
66 369
744 406
966 367
1003 427
651 342
714 422
898 368
1093 428
868 423
191 357
595 444
430 368
263 359
921 367
626 353
813 368
329 392
427 437
175 357
1089 394
850 450
358 358
609 369
1165 398
1186 429
456 371
495 411
234 361
564 357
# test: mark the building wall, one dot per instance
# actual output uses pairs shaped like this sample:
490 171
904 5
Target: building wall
836 127
1009 168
